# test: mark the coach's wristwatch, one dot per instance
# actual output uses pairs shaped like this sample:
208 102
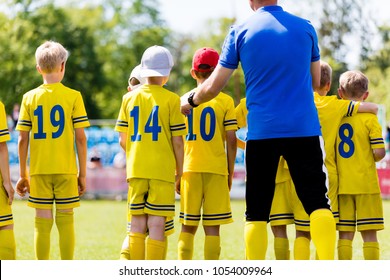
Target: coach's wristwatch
191 100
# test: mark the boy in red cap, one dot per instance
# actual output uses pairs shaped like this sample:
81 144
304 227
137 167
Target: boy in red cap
209 154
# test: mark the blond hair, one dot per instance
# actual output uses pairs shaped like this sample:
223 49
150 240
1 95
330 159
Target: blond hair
326 74
353 83
50 55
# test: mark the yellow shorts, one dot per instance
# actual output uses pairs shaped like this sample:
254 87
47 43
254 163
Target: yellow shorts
59 188
281 211
6 217
333 195
361 211
206 191
148 196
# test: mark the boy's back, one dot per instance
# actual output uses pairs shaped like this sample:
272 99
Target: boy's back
151 116
52 112
356 139
207 126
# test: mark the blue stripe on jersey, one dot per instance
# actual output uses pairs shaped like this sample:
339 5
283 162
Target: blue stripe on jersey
189 217
230 122
137 206
160 207
178 127
376 141
25 123
80 119
67 200
372 221
351 106
4 132
217 217
41 200
122 123
6 218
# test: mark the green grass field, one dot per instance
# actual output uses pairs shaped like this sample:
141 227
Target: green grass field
101 227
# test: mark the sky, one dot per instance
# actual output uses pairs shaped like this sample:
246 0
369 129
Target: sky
191 16
188 16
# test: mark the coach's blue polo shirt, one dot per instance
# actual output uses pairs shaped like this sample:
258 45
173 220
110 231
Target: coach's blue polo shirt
279 91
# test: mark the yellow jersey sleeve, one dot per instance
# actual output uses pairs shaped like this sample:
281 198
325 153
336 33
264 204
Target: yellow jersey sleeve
4 132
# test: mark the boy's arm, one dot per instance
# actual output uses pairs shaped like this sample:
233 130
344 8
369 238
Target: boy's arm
81 145
231 149
379 153
4 171
122 140
178 149
23 184
368 107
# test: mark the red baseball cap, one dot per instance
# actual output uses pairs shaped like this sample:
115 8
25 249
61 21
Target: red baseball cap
205 60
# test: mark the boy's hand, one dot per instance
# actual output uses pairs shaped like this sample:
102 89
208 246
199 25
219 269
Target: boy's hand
10 192
22 186
82 185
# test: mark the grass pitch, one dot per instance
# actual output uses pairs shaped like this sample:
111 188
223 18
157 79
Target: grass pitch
101 227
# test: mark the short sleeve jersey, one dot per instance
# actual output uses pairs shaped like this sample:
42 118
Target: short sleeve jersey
4 132
150 116
356 138
51 113
276 50
331 111
241 113
204 149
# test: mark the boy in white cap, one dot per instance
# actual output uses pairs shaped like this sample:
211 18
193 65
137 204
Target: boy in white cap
151 127
134 82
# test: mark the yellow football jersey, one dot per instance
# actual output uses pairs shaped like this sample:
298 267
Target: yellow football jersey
4 132
204 149
241 113
356 138
150 116
51 112
331 111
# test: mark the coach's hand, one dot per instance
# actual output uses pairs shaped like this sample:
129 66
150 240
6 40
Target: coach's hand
23 186
82 182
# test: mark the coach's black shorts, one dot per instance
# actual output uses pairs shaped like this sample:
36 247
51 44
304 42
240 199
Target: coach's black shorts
305 159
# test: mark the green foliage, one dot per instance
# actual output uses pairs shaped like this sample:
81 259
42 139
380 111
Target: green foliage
105 42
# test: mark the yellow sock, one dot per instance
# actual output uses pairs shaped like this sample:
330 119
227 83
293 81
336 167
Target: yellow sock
344 249
301 248
42 238
281 248
125 254
137 246
256 240
65 226
212 247
7 244
185 246
371 250
155 249
323 233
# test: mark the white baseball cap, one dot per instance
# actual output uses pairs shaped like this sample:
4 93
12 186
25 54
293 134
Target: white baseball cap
156 61
136 74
